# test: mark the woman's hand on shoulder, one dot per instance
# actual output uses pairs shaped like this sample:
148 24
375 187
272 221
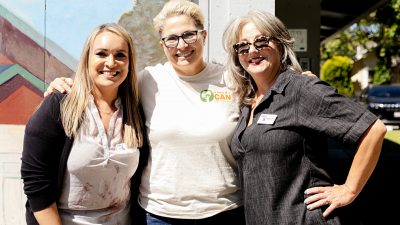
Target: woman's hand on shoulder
309 73
334 197
61 84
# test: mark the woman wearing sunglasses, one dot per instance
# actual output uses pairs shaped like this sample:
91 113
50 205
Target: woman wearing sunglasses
279 143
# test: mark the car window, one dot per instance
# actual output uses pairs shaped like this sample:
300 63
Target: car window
382 92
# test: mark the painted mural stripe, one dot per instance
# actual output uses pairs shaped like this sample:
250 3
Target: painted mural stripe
18 70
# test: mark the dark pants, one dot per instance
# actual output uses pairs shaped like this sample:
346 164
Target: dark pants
230 217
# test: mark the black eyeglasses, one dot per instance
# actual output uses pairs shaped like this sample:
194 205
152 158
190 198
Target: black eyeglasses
189 37
259 43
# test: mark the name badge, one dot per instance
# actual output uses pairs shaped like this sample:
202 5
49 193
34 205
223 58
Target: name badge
267 119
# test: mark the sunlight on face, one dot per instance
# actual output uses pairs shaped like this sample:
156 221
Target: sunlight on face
109 60
261 63
187 59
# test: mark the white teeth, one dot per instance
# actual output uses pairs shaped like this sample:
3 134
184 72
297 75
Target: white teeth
185 54
110 73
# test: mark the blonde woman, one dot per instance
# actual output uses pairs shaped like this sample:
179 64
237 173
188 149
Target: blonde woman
190 117
82 149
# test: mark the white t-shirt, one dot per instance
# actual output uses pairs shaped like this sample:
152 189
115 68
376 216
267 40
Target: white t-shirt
97 179
191 173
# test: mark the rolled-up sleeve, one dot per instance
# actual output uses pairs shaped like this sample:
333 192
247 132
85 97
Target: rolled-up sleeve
322 109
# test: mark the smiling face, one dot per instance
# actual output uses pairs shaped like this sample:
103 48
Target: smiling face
108 61
187 59
263 63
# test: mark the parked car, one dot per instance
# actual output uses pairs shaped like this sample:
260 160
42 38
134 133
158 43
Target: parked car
384 101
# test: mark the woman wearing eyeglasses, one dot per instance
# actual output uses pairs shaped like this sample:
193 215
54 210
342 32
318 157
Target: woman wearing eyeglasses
279 143
190 116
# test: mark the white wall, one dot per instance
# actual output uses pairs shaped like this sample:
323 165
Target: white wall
12 198
218 14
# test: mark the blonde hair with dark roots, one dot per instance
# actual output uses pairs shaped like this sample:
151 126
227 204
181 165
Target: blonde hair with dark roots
74 104
243 84
177 8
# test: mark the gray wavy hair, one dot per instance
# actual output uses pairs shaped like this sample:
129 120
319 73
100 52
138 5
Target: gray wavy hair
243 84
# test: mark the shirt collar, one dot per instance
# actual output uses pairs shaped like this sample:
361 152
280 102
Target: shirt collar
278 87
282 81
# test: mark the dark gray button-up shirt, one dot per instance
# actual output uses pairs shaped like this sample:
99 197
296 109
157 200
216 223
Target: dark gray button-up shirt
284 152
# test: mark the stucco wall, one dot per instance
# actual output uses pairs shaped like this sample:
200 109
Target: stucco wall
218 14
12 198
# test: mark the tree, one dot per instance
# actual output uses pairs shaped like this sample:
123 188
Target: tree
336 72
379 32
139 22
381 75
342 45
388 50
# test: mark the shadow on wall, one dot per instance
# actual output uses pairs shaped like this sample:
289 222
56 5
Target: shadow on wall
378 202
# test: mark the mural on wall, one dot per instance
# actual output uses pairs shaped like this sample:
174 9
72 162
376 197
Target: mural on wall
139 22
41 40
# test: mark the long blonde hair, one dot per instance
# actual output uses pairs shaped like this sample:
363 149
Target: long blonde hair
243 83
74 104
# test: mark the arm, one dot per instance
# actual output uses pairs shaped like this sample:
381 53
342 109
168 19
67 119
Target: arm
366 157
323 110
60 84
43 143
48 216
363 164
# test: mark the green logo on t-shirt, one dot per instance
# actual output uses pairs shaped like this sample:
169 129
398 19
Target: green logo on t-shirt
206 95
